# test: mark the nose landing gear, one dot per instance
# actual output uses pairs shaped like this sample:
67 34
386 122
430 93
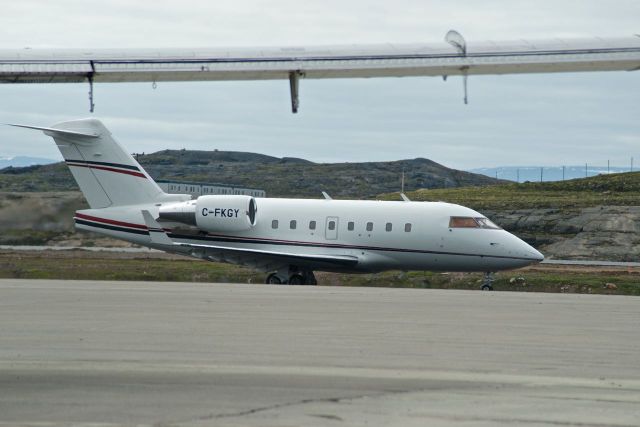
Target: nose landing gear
487 282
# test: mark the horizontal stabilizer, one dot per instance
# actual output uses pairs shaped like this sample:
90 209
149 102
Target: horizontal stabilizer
54 131
105 171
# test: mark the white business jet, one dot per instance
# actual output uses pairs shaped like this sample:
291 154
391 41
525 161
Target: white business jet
288 238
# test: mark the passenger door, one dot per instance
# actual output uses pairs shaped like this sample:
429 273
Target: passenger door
331 228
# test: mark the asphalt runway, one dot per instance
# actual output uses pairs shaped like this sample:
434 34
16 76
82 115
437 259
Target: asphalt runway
164 354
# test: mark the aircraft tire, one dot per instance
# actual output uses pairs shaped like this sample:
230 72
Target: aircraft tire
486 288
311 279
297 279
273 279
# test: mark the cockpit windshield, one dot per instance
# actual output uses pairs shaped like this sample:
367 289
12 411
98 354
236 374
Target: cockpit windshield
471 222
463 222
487 223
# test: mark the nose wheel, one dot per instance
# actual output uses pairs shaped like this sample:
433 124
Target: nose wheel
487 282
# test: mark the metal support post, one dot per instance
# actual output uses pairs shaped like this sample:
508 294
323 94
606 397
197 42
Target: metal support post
294 84
91 104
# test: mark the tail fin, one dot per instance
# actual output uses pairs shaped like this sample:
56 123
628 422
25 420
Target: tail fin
106 173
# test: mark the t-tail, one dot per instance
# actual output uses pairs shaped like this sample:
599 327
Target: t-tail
106 173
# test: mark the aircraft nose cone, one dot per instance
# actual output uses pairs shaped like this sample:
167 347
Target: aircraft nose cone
526 253
530 253
535 255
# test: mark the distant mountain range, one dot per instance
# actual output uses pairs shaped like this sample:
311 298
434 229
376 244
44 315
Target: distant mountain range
22 161
178 164
279 177
546 173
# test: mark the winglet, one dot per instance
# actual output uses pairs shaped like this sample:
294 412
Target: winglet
326 196
156 232
54 131
404 197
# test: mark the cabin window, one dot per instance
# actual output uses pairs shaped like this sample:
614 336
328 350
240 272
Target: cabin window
463 222
407 227
388 227
274 224
369 226
332 225
312 225
293 224
350 226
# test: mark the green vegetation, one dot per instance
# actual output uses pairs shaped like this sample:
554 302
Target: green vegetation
95 266
558 281
77 265
54 177
621 189
28 237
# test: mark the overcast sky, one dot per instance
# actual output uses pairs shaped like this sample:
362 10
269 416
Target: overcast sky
511 120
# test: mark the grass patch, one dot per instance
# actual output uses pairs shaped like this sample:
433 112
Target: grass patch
27 237
62 266
614 190
81 265
624 283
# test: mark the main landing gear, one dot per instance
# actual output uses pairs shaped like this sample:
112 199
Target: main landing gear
292 276
487 282
273 279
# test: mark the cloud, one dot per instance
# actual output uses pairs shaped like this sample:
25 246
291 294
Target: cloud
542 119
144 23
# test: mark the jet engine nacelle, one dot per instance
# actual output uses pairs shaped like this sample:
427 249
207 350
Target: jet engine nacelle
225 213
213 213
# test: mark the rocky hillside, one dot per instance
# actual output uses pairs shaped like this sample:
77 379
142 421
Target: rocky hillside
280 177
594 233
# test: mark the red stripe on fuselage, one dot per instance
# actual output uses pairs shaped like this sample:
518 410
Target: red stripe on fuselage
110 221
249 239
106 168
168 230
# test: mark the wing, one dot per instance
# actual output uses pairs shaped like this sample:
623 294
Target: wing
452 57
255 258
455 57
271 260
